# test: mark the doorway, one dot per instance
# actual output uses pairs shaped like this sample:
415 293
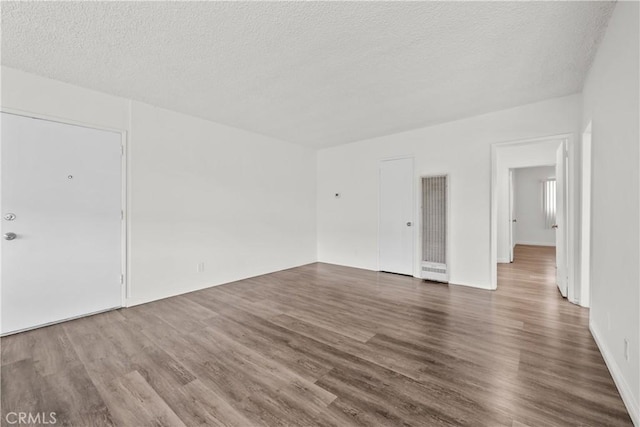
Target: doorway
522 154
533 201
584 295
396 210
62 222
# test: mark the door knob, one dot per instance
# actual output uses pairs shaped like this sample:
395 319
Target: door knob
554 226
10 236
409 224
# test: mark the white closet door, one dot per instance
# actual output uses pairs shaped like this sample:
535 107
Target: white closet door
396 216
61 222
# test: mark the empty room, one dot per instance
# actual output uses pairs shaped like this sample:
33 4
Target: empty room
320 213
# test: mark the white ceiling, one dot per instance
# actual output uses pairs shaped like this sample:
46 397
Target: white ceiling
318 73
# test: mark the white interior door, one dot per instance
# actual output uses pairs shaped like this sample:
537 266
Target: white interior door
61 222
512 218
561 220
396 216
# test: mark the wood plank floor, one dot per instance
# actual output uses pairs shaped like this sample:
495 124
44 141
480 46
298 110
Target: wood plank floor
329 346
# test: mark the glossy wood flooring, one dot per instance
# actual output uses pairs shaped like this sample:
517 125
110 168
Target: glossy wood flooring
328 346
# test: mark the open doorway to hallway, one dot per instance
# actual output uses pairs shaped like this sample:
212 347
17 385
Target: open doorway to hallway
532 208
533 202
507 159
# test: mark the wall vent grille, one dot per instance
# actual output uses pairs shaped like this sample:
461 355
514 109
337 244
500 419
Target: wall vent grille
434 228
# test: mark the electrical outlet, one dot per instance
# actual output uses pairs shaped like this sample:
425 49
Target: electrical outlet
200 268
626 349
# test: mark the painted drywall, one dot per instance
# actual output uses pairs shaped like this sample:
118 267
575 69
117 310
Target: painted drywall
348 226
530 227
199 192
611 104
510 157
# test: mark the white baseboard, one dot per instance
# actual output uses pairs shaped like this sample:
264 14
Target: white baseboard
623 387
530 243
472 285
503 260
133 301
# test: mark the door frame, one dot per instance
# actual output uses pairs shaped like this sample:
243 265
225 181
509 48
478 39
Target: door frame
125 291
413 205
569 139
585 234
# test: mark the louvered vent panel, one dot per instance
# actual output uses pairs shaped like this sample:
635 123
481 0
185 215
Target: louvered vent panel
434 228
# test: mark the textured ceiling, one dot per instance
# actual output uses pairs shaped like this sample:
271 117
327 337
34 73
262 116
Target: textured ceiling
316 73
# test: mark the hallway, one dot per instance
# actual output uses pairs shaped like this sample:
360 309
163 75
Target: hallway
532 272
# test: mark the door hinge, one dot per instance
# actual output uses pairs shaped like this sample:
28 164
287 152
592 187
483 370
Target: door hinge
121 279
121 215
122 150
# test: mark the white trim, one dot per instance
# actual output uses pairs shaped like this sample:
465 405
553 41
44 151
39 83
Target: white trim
139 301
532 140
623 387
125 221
44 325
585 220
404 156
529 243
472 285
58 119
124 198
127 267
493 219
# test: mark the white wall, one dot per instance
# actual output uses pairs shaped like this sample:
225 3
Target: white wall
527 194
242 203
348 226
510 157
611 103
